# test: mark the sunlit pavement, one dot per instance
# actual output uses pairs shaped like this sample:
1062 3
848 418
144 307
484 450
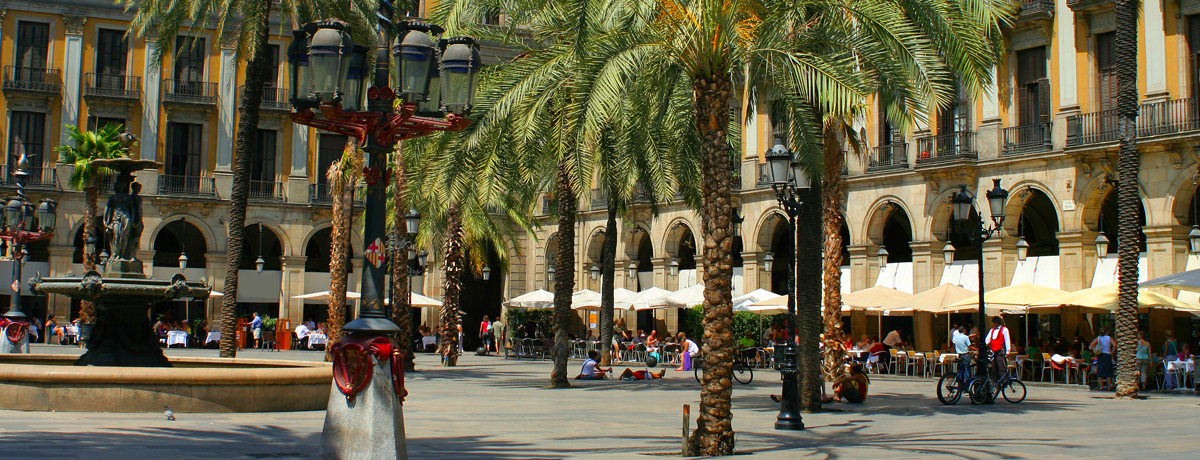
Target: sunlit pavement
492 408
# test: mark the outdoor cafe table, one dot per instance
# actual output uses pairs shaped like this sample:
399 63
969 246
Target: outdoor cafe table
214 336
316 338
1189 367
177 338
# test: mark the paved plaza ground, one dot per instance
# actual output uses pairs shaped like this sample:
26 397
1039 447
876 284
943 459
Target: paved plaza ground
492 408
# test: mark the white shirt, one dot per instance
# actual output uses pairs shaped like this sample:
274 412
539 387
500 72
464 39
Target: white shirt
995 334
892 338
301 330
691 348
962 343
589 368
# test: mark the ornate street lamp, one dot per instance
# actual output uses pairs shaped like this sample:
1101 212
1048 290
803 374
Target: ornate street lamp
674 267
1101 243
768 262
487 273
948 253
412 222
962 202
1022 249
633 269
881 256
18 230
594 273
259 263
550 274
1194 239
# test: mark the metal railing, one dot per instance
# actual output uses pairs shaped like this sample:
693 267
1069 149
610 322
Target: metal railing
319 194
889 157
1030 7
945 148
1168 117
38 177
642 193
189 92
110 85
735 167
599 198
32 79
169 184
266 190
272 99
1026 139
1092 128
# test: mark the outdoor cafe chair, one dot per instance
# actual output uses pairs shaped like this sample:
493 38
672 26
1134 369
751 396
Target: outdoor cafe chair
896 358
1048 365
915 364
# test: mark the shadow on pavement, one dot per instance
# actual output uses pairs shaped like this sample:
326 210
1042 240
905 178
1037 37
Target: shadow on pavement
825 442
266 441
913 404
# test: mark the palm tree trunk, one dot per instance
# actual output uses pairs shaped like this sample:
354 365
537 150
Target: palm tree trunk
832 187
808 298
1127 197
608 272
564 276
452 286
400 279
341 190
256 74
714 428
90 203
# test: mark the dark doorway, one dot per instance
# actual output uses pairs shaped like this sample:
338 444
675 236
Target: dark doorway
480 297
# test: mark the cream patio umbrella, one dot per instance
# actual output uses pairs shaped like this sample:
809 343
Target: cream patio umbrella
752 297
932 300
1016 299
420 301
323 295
540 298
589 303
584 295
642 300
686 297
1103 299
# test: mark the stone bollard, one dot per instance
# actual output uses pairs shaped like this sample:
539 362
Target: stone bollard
365 416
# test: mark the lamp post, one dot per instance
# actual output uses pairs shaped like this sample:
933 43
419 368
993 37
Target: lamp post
19 230
786 179
330 82
962 202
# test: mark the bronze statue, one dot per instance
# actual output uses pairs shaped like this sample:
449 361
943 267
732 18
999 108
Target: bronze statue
123 220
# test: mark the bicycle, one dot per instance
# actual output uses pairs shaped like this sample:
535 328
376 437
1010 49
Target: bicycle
743 372
984 390
951 386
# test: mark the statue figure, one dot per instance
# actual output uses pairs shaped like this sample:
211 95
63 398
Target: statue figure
122 219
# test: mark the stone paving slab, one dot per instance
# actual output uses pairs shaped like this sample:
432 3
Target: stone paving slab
492 408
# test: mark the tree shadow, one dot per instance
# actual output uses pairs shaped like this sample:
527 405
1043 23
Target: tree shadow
915 404
263 441
826 443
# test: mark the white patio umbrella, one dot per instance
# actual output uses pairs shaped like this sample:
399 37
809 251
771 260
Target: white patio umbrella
619 294
752 297
641 300
540 298
324 295
420 301
686 297
1183 281
583 296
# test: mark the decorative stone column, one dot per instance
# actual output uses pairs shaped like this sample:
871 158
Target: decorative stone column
926 273
227 113
72 72
151 87
1076 259
997 268
214 264
297 181
864 269
990 135
293 285
60 265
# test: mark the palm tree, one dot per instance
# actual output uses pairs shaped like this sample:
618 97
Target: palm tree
166 18
1127 196
343 178
451 286
401 283
89 145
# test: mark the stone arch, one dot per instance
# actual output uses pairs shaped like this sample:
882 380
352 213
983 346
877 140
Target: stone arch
316 251
175 237
632 237
1091 197
878 214
1019 197
284 241
595 246
677 230
765 228
77 242
1036 219
1182 204
271 246
355 243
210 239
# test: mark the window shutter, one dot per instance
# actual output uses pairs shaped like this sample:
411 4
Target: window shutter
1043 102
1024 106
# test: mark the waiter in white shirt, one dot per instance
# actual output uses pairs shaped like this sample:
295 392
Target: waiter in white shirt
302 335
997 340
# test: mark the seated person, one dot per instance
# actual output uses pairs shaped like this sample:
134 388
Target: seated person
591 368
631 374
652 342
746 346
852 386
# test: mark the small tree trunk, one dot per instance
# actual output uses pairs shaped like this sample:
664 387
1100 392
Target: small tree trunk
564 276
608 272
342 178
452 286
90 204
832 188
400 279
1128 201
714 428
256 74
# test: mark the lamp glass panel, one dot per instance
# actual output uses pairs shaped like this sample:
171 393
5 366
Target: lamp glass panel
456 84
414 69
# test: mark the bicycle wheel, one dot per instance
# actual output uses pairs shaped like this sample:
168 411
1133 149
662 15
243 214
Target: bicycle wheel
1014 391
696 371
742 373
949 389
981 391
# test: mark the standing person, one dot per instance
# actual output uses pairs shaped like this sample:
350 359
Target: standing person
256 330
892 339
962 346
1142 357
999 344
1103 346
485 334
498 336
688 350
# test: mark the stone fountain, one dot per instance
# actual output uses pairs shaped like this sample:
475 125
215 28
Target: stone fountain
123 295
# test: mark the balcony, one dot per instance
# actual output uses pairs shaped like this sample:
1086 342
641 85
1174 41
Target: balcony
183 92
1020 140
946 148
735 168
1092 128
191 186
261 190
109 86
889 157
548 207
642 193
1035 10
319 194
599 199
32 80
42 178
273 99
1081 6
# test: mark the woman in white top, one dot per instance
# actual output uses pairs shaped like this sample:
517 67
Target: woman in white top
1103 346
688 350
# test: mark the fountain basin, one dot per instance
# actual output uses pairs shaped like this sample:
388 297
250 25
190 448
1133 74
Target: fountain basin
54 383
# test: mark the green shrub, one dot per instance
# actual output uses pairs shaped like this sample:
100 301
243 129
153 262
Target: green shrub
743 322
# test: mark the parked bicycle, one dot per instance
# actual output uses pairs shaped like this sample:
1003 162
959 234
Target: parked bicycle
743 372
981 390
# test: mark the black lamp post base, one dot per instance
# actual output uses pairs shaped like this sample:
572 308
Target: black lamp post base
370 325
789 424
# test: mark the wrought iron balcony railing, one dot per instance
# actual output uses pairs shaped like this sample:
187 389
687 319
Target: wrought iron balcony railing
266 190
190 92
1161 118
889 157
32 79
599 199
111 86
197 186
1027 139
273 99
319 193
45 178
1092 128
945 148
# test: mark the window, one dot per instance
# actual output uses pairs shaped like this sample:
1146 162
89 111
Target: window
33 44
111 51
1193 41
957 117
491 17
329 149
272 66
189 59
94 122
26 134
183 149
262 160
1033 88
779 121
1106 70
